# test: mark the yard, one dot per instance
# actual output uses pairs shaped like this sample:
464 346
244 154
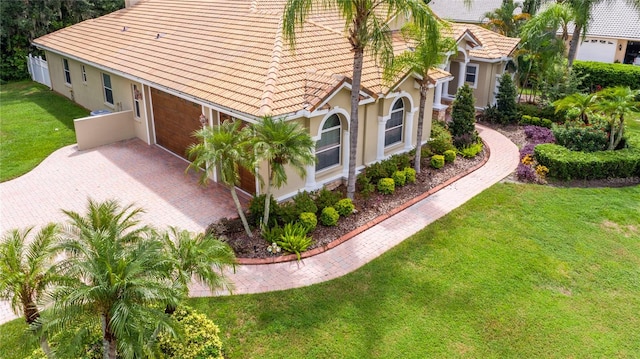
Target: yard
34 122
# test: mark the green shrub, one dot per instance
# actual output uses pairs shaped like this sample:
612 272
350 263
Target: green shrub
375 171
449 156
271 234
201 337
411 174
440 140
389 166
599 75
437 161
463 117
535 121
506 99
309 220
329 217
294 238
426 152
300 203
581 138
565 164
256 210
345 207
386 186
400 161
364 186
326 198
399 178
544 111
471 151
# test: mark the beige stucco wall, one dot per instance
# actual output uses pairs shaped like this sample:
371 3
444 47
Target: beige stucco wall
619 57
484 89
94 131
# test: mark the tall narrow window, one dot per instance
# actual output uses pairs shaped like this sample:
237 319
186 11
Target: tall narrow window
67 72
328 147
108 90
393 127
84 75
471 75
137 97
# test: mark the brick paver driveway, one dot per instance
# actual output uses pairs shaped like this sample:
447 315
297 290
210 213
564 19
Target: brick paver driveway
129 171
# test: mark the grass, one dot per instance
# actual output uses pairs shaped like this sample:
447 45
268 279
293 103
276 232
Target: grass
34 122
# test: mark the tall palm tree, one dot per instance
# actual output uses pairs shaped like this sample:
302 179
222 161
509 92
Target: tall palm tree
579 101
366 30
281 143
504 20
616 103
198 256
430 49
25 271
227 146
115 273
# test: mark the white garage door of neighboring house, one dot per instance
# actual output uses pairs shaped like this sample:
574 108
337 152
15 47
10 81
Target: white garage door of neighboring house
601 50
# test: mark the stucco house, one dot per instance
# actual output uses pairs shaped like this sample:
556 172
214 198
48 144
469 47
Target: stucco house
164 68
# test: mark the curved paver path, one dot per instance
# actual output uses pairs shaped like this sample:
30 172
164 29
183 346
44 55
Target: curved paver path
371 243
378 239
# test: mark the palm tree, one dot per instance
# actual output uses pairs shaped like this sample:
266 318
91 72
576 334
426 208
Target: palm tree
114 272
503 20
197 255
579 101
228 147
281 143
366 29
25 271
616 102
430 50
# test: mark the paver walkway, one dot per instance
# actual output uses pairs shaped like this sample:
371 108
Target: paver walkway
368 245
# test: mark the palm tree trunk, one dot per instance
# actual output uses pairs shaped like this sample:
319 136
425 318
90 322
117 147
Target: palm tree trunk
358 55
109 347
31 316
44 344
573 48
619 135
423 100
267 201
234 195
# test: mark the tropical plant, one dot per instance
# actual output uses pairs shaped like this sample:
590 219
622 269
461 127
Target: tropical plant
616 103
227 146
430 49
115 274
25 271
281 143
199 256
581 102
366 25
463 118
505 20
294 238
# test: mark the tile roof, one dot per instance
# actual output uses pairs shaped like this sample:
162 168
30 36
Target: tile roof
493 46
228 53
456 10
614 19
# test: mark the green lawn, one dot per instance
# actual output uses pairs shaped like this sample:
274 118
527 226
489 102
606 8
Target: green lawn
34 122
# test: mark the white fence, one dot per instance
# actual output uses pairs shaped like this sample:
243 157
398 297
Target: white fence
39 70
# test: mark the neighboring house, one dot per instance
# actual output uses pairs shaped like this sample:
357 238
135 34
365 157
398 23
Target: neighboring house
457 11
613 34
166 68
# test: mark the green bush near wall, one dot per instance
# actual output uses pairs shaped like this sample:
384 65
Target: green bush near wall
600 75
565 164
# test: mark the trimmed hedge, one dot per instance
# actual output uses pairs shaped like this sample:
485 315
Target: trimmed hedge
565 164
535 121
600 75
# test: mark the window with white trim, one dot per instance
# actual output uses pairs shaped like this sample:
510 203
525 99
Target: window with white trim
328 146
67 72
108 90
84 75
471 75
137 97
393 127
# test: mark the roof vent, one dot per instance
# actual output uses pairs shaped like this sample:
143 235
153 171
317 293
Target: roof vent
124 28
159 35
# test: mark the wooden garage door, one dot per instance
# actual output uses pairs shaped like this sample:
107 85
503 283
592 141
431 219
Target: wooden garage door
175 121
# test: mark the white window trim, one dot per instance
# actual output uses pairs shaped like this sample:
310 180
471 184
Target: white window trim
402 124
137 102
104 91
84 75
66 71
339 145
475 78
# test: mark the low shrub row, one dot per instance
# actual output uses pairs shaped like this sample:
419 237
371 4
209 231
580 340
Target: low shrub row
565 164
597 75
535 121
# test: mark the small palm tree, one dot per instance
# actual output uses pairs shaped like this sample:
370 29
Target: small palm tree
616 103
227 146
115 273
197 255
281 143
430 50
366 25
504 19
25 271
579 101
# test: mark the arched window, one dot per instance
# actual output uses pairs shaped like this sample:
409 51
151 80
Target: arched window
328 147
393 128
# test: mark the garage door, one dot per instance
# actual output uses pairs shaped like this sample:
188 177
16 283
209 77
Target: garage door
175 121
601 50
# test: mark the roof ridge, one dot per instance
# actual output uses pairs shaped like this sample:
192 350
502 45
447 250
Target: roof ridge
272 73
325 27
